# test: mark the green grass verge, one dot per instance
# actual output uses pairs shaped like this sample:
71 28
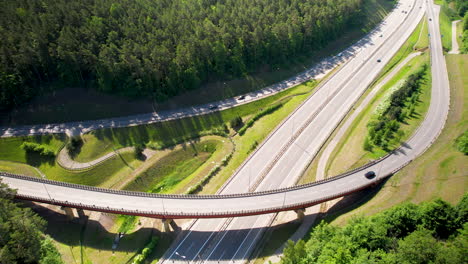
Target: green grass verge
423 38
460 35
173 168
18 168
407 48
349 153
441 172
101 175
10 148
278 236
92 148
445 23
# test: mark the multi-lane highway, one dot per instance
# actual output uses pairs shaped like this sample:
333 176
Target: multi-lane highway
286 153
280 160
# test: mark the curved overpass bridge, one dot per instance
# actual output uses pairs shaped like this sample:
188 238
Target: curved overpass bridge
230 205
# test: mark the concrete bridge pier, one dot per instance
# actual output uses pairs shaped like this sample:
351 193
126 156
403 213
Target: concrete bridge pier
167 223
69 212
300 213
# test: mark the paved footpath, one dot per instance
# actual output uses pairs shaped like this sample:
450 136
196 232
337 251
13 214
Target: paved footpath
455 48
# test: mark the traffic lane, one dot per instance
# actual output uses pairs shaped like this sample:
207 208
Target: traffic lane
195 239
259 168
292 120
240 233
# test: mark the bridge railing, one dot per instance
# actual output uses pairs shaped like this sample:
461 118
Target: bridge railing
188 196
181 214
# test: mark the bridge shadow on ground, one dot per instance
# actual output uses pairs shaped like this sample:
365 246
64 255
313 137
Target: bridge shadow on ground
350 202
86 233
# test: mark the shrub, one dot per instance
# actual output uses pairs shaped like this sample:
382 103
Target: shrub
367 145
43 150
140 258
138 150
462 143
236 122
74 144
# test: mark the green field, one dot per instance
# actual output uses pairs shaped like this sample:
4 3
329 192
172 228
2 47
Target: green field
441 172
168 171
18 168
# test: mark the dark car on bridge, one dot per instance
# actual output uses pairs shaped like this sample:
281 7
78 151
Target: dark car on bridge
370 174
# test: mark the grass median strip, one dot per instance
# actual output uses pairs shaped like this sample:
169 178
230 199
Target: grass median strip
350 152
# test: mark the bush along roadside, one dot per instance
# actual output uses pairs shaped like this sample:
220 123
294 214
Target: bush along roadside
140 258
199 186
384 127
462 143
43 150
259 115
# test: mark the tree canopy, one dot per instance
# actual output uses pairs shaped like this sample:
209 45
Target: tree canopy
156 48
21 237
433 232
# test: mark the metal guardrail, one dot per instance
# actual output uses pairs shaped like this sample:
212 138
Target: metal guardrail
176 215
187 196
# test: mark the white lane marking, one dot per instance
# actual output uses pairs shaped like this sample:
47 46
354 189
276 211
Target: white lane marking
243 241
251 244
182 242
212 233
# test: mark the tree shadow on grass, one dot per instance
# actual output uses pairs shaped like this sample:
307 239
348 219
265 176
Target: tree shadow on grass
163 134
90 233
35 159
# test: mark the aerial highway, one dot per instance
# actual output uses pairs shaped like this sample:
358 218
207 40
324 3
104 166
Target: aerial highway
284 155
278 162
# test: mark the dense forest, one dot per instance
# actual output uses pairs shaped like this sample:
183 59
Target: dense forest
21 234
156 48
433 232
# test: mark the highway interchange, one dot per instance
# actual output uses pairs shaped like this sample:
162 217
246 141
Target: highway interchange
283 156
